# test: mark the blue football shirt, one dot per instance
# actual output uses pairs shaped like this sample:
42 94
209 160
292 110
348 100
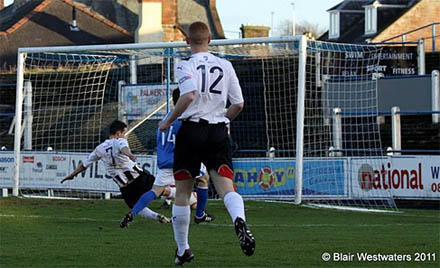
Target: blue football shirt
166 141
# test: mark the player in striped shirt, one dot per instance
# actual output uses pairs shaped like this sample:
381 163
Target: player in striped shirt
120 164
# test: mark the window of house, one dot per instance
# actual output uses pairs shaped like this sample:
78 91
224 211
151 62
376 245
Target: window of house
334 25
370 20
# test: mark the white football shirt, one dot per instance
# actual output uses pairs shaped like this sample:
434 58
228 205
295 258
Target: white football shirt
214 81
116 164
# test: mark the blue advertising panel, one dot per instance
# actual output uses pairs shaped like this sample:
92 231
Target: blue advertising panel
277 177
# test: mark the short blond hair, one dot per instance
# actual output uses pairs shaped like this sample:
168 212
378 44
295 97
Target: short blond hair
198 33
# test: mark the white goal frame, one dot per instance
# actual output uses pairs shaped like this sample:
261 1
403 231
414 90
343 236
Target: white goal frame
162 45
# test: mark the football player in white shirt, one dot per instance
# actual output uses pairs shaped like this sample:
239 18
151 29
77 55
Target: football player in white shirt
120 163
206 83
164 178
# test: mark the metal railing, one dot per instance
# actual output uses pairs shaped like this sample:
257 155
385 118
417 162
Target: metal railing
402 36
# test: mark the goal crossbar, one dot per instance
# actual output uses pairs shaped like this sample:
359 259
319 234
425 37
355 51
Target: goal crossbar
159 45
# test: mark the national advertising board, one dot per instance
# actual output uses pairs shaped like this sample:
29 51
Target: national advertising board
405 177
277 177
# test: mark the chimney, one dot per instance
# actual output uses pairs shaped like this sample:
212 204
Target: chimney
169 21
150 21
250 31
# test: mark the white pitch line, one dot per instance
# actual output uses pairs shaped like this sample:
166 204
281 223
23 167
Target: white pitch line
231 225
56 218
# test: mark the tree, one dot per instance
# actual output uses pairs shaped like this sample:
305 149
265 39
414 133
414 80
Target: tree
304 27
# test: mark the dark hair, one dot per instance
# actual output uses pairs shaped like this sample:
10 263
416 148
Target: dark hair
176 95
116 126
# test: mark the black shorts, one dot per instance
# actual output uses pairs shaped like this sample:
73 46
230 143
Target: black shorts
202 143
134 190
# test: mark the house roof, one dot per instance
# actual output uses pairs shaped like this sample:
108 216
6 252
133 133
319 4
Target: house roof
200 10
121 15
19 15
386 15
359 4
350 5
48 24
28 23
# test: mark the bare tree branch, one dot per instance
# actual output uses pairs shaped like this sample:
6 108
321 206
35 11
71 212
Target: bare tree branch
304 27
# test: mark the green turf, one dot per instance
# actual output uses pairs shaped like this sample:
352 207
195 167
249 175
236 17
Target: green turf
71 233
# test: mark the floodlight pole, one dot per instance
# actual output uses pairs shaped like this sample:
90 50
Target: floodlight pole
293 19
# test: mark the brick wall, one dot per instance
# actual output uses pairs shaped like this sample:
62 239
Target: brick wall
172 33
169 21
423 13
169 11
250 31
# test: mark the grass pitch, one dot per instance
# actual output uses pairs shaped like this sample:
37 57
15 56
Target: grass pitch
76 233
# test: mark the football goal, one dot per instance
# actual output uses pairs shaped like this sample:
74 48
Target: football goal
308 132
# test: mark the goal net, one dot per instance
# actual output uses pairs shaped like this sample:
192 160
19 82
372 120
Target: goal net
308 131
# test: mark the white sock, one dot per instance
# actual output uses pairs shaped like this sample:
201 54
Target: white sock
235 206
148 213
181 219
172 193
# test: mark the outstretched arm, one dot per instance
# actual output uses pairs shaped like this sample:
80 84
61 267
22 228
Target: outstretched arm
72 175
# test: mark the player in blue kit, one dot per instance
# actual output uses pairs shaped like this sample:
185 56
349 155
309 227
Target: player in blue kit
165 177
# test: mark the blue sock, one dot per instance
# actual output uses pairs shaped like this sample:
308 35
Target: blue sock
202 199
143 202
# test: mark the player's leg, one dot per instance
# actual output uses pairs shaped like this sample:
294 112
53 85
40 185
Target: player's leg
169 192
181 219
164 178
136 195
130 195
232 200
186 168
219 163
235 206
146 199
168 198
202 184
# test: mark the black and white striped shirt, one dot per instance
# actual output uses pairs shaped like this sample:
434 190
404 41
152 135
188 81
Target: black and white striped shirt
117 165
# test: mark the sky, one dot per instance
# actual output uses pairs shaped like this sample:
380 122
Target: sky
234 13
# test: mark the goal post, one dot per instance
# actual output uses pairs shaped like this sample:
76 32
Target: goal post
18 113
302 58
287 143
